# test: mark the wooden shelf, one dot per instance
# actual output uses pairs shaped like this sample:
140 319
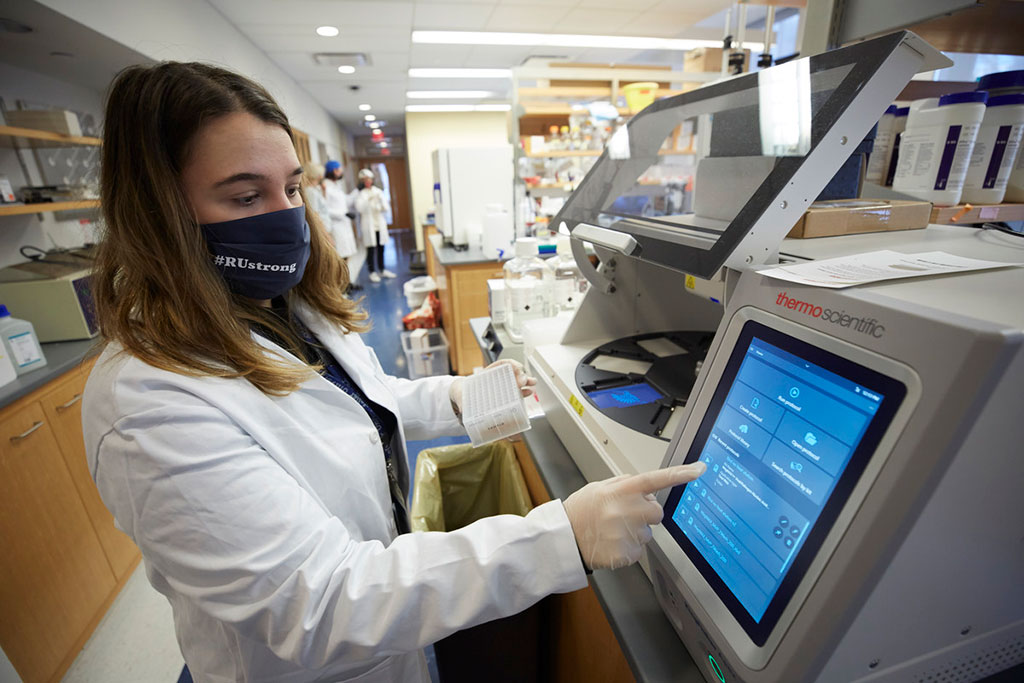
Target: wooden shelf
48 207
12 136
956 215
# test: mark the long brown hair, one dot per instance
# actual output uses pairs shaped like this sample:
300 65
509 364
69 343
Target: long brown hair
157 292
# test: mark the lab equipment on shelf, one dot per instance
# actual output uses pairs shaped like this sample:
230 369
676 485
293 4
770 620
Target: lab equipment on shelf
565 283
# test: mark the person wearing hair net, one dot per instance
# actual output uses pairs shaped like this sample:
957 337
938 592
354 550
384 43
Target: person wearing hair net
373 205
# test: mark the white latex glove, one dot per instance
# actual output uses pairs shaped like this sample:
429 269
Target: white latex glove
523 381
611 519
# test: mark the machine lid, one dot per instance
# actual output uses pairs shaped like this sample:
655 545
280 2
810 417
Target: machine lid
718 176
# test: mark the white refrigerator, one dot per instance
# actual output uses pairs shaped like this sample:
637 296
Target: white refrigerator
466 181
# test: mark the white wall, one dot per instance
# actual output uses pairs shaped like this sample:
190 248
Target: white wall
45 232
426 132
193 30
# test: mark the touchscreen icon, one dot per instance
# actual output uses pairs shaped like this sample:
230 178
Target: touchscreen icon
777 532
796 466
794 392
810 438
788 542
755 402
744 429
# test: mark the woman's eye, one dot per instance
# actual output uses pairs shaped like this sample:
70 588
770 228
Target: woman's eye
248 200
293 191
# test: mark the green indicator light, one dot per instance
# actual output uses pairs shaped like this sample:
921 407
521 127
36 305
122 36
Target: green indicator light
717 669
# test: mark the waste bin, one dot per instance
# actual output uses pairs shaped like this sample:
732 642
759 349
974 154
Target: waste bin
455 486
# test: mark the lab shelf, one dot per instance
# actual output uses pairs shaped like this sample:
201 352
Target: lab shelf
48 207
977 213
15 137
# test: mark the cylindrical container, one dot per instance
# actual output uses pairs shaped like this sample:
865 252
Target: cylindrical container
899 125
21 343
639 95
566 283
936 146
1002 83
995 150
878 163
525 292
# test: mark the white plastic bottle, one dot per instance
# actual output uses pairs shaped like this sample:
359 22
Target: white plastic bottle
525 291
937 145
566 283
882 149
995 151
21 342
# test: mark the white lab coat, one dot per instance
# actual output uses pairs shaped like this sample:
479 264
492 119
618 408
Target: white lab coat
339 203
317 202
373 205
267 521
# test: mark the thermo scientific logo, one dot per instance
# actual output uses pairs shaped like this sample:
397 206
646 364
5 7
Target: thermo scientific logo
869 326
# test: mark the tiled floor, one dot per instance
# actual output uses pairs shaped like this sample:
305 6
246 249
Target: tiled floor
135 641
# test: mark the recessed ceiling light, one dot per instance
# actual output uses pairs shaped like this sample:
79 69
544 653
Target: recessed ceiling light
346 69
383 144
327 31
420 108
375 124
460 73
448 94
365 107
564 40
370 117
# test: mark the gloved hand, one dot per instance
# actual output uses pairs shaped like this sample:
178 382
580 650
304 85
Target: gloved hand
611 519
523 381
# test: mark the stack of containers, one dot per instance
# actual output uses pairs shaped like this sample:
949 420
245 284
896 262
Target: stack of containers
995 151
999 85
937 145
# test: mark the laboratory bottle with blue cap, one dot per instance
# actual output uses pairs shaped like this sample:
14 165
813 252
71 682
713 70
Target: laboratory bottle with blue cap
20 342
526 295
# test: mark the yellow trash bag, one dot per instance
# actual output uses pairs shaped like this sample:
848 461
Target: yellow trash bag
457 485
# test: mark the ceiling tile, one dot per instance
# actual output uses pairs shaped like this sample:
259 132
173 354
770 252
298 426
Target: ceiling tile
449 16
658 24
552 3
317 12
442 55
598 21
638 5
528 18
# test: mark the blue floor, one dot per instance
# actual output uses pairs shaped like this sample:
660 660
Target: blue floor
385 302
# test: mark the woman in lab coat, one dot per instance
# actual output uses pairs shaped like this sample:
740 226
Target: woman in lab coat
339 206
247 439
373 207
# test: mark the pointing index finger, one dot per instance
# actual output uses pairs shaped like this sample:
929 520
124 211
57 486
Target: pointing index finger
656 480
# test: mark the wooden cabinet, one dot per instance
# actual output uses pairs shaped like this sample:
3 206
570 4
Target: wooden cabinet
63 562
63 408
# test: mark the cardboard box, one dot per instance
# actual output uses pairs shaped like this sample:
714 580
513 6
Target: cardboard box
496 301
853 216
702 59
53 120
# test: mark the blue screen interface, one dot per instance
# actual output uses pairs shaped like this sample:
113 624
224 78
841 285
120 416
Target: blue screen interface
624 397
779 444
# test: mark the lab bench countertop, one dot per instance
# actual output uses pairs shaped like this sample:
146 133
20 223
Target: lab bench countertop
448 256
61 357
647 639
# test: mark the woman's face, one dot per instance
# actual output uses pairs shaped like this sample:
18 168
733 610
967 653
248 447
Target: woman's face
367 182
241 166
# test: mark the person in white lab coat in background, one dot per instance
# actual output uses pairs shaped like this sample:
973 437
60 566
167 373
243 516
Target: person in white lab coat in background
373 207
247 439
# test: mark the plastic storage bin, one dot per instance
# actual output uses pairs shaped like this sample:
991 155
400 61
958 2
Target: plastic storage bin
426 352
416 290
492 406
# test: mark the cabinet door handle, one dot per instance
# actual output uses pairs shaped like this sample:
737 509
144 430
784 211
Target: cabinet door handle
75 399
23 435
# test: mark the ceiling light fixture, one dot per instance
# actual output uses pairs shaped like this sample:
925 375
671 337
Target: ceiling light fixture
460 73
436 108
448 94
365 107
564 40
346 69
327 31
369 117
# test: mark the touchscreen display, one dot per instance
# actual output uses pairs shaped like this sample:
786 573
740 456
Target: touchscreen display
780 441
625 397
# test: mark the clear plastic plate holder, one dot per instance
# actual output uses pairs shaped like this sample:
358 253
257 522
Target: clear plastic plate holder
492 406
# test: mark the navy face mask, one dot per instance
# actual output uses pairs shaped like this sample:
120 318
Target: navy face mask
263 256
